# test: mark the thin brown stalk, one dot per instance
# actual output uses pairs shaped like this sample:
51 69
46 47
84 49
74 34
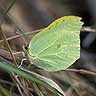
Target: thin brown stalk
82 71
9 48
71 70
20 35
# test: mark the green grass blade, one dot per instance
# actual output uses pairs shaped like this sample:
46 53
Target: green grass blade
7 67
12 4
4 91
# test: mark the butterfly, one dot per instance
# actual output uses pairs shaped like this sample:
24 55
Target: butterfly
57 46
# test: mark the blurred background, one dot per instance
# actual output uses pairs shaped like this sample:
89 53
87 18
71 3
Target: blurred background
19 17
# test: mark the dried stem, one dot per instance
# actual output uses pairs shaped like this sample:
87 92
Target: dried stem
9 48
19 36
82 71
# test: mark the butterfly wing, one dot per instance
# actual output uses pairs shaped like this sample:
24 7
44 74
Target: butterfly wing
57 46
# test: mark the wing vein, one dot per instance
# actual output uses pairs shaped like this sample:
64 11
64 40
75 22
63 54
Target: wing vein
50 62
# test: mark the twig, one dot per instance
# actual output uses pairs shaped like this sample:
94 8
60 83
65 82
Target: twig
88 29
19 85
82 71
5 53
38 91
18 36
6 82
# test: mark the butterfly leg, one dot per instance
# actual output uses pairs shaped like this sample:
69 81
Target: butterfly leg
24 59
19 54
21 63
